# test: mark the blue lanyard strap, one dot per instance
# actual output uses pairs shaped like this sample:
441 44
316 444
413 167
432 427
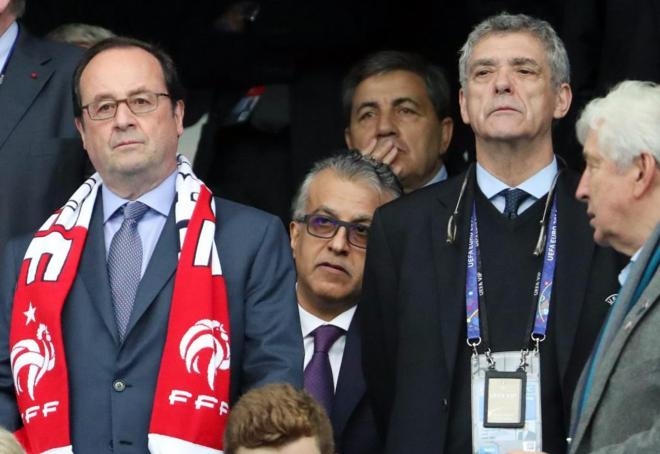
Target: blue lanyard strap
474 288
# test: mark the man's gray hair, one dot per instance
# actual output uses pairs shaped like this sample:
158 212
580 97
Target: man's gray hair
351 165
627 120
519 23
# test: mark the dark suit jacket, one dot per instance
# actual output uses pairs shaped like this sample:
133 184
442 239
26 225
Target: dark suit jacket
352 417
622 413
41 156
413 308
266 344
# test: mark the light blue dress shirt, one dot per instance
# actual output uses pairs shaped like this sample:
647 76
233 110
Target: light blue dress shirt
440 176
6 43
536 186
159 200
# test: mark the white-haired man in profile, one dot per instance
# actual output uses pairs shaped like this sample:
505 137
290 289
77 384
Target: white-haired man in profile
616 406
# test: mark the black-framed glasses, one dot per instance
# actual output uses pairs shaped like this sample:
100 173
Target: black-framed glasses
139 103
322 226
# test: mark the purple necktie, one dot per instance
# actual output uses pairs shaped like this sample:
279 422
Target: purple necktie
318 373
125 264
512 200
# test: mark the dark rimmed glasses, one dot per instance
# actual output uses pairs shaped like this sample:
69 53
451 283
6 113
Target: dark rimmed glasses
326 227
139 103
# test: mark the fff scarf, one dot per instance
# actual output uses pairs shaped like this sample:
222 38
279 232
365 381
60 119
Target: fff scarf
191 400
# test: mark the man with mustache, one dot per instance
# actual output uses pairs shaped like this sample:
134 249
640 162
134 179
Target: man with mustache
396 105
331 217
483 295
142 309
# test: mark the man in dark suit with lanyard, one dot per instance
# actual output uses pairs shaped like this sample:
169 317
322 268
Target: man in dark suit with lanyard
483 295
42 158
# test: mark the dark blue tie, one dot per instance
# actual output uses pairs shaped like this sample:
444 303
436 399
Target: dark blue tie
125 264
512 200
318 373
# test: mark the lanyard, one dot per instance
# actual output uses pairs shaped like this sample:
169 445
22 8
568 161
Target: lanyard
474 288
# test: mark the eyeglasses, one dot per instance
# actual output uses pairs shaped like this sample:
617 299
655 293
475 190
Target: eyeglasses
326 227
139 104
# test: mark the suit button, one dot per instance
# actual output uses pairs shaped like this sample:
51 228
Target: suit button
118 385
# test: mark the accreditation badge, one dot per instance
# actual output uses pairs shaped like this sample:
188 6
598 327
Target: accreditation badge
506 404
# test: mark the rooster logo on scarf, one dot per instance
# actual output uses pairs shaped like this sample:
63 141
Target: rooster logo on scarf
35 356
205 339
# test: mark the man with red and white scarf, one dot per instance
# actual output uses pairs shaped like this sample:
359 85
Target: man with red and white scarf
141 310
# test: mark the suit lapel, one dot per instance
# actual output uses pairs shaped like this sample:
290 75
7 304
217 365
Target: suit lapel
617 338
573 266
450 286
16 96
93 270
351 388
160 269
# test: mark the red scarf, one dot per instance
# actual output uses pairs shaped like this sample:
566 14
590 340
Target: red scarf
191 400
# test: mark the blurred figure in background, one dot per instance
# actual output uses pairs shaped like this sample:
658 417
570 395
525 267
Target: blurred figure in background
81 35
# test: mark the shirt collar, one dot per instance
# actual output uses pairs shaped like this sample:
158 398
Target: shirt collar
309 322
537 185
623 275
158 199
440 176
6 43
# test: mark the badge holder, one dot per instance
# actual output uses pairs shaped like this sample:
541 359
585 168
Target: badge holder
506 403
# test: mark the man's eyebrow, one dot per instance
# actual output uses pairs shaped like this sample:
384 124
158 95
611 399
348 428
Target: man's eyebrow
366 104
330 212
519 61
483 62
403 100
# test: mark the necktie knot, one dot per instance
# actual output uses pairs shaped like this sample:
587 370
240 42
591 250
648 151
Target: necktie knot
133 211
512 200
325 336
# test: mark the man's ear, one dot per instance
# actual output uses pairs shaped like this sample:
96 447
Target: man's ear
462 102
294 233
447 125
347 138
646 173
81 129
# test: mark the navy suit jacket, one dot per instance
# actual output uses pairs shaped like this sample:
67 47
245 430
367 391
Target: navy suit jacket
352 417
266 343
41 156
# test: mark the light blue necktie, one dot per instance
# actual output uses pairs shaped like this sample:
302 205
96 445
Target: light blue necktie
125 264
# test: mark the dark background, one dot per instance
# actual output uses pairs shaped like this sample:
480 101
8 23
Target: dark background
307 46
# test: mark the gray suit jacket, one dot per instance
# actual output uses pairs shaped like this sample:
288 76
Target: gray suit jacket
41 156
266 344
622 413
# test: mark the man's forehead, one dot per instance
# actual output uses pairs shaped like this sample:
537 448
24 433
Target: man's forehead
392 84
106 68
508 46
339 196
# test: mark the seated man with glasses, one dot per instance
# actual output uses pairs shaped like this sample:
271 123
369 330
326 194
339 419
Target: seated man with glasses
331 217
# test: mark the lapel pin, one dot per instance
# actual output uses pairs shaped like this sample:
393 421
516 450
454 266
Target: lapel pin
33 75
